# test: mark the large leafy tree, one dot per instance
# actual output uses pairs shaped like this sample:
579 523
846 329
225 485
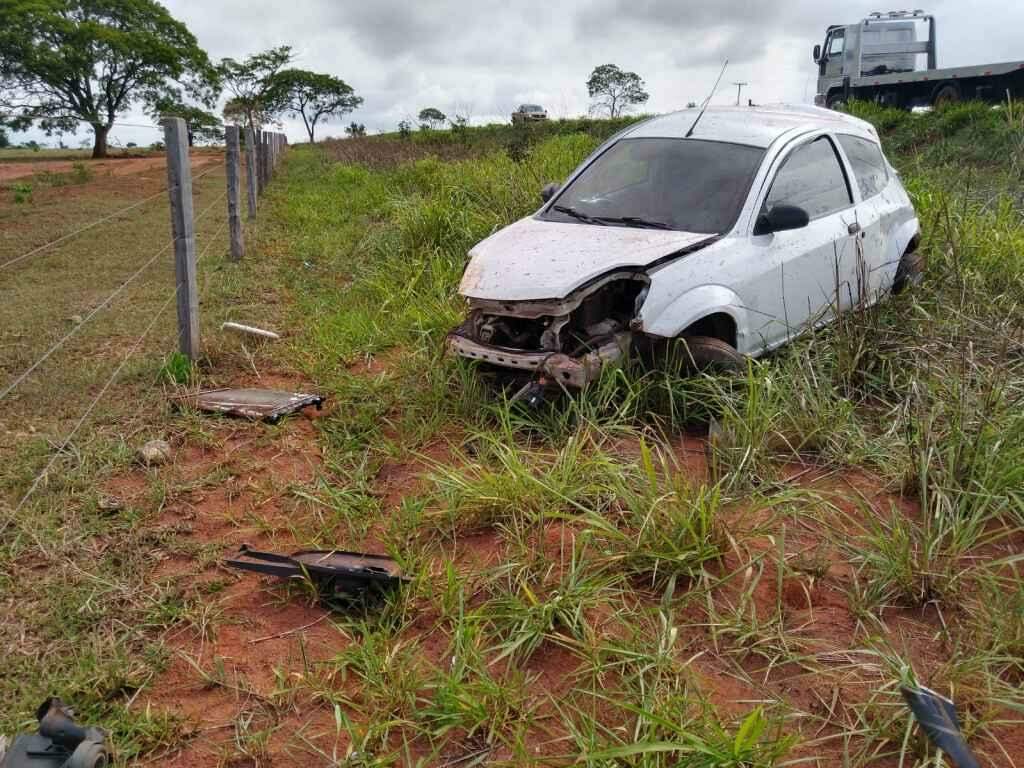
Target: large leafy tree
250 82
614 90
63 62
312 96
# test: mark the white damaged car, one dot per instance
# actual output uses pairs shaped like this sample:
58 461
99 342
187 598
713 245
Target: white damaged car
733 231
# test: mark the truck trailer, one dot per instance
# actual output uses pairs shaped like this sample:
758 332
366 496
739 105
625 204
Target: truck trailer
890 58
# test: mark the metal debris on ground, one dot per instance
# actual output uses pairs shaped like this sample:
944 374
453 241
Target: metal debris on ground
59 743
938 719
250 330
267 404
335 573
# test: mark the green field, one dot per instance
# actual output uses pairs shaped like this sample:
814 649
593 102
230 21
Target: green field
592 583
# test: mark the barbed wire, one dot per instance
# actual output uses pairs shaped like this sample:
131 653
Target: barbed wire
113 215
73 118
52 243
95 401
63 340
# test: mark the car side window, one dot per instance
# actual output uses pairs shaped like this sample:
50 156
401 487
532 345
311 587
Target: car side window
813 179
869 168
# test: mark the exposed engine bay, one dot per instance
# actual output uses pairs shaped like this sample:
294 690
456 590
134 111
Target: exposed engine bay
569 339
575 326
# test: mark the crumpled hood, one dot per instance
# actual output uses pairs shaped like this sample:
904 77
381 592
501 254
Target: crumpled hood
534 259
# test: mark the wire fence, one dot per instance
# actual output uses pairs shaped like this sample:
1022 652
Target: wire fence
263 153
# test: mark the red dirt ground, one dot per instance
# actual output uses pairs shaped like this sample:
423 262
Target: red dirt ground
232 664
112 166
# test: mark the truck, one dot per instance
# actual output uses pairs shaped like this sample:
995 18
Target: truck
890 58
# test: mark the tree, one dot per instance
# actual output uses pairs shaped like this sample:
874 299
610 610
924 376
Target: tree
355 129
404 129
431 117
68 61
615 90
250 81
4 141
238 113
311 96
201 125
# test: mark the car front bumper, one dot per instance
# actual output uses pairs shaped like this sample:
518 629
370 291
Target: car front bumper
569 371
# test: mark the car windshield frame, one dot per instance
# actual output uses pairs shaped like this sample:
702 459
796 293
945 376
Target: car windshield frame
567 207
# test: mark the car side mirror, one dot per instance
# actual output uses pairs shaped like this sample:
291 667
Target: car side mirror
548 191
780 218
817 54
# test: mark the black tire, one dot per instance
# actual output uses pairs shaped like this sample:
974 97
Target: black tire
706 353
945 95
909 272
837 102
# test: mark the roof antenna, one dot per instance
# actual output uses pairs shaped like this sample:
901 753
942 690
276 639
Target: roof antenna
704 106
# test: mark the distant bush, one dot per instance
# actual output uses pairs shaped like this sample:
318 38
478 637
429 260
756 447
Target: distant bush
81 173
22 192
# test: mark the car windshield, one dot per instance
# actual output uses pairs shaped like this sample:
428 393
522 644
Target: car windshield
682 184
531 108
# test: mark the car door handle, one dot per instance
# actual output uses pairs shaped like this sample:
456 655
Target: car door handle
853 228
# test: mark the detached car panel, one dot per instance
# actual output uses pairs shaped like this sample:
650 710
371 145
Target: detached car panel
749 225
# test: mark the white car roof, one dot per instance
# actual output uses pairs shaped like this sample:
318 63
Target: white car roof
756 126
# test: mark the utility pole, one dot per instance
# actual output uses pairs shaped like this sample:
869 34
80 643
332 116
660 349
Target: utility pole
739 90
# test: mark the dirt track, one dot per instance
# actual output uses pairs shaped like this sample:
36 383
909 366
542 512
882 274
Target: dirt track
111 166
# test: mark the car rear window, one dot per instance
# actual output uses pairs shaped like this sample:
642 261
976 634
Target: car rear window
690 185
869 166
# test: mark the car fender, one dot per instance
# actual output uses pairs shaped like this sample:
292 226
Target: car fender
901 236
689 307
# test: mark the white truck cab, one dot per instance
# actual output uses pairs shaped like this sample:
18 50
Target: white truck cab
890 58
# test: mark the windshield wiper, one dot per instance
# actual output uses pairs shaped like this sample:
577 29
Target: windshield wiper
635 221
577 214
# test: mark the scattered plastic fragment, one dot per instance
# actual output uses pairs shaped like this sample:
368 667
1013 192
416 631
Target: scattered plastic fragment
59 743
250 330
266 404
334 572
938 719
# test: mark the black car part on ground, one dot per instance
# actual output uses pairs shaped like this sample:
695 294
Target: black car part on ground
938 719
59 743
335 573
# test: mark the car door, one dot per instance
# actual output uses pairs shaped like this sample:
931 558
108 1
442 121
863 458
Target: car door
812 265
875 212
833 57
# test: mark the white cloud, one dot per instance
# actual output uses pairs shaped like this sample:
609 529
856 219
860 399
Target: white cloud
490 55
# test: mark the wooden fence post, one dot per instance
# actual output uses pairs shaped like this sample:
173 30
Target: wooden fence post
234 193
179 189
250 171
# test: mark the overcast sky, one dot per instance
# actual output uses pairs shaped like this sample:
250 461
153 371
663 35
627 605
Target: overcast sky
484 57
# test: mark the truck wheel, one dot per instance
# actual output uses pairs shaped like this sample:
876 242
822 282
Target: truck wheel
836 102
910 271
945 95
706 353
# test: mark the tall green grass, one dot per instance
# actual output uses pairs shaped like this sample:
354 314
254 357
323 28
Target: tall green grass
922 393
